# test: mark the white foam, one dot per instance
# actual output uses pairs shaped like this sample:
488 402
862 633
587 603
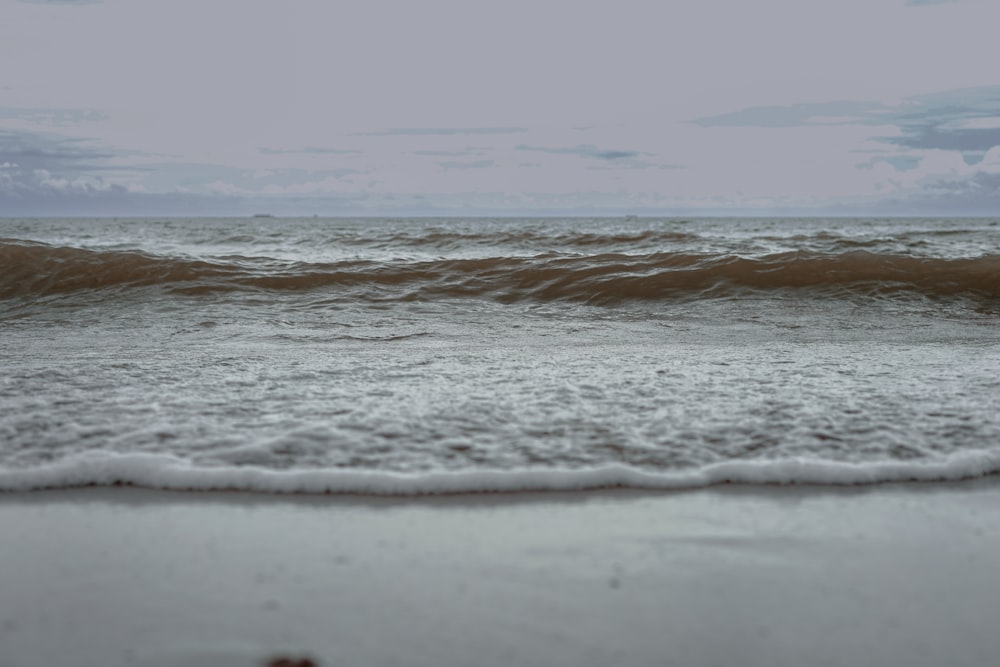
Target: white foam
173 473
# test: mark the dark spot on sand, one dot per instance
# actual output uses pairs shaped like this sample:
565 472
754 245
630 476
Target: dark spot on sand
292 662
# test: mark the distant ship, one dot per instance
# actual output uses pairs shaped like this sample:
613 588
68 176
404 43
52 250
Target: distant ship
262 215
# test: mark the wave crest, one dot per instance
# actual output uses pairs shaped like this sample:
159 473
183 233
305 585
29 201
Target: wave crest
36 269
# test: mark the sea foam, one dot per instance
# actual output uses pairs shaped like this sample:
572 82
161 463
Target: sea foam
173 473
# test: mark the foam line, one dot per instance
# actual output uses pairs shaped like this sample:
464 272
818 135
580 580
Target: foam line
172 473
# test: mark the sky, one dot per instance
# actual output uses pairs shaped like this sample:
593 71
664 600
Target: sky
522 107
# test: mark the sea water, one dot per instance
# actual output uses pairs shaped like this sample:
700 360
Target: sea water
446 355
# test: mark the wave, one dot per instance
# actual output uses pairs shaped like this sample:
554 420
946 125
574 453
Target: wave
39 269
34 269
172 473
443 239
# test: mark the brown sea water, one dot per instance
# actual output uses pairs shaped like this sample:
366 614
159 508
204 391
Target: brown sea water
476 354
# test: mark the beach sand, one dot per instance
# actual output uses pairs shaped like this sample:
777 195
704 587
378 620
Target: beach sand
897 574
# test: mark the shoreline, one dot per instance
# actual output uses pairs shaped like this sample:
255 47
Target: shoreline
169 473
500 494
888 574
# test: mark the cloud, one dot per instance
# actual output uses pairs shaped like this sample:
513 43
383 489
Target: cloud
584 150
976 194
924 3
964 120
52 116
973 144
897 162
951 121
607 159
440 131
43 174
823 113
31 151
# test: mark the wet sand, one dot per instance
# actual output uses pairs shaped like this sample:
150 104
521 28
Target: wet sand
897 574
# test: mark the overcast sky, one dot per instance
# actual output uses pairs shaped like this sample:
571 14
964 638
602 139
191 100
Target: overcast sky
516 107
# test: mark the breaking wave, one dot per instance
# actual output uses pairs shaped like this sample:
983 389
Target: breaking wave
34 269
167 472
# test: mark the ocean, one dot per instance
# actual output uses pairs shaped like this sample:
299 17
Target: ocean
419 355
